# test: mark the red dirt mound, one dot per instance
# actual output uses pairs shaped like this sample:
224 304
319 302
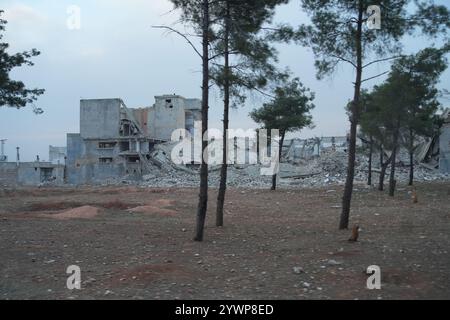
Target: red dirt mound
152 210
84 212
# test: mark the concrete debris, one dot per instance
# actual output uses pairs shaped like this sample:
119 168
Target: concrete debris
298 270
332 262
327 170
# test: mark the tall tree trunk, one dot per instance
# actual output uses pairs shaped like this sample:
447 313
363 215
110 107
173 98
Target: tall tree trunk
382 172
203 196
280 150
384 166
411 157
392 181
369 176
354 118
382 175
226 107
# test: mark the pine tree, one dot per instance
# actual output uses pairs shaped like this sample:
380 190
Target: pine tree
14 93
289 111
248 63
338 33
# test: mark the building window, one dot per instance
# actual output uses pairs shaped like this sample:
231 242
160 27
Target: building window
105 160
169 103
46 174
133 159
106 145
124 146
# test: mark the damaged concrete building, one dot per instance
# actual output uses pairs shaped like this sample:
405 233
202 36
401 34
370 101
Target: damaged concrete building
31 173
116 141
118 144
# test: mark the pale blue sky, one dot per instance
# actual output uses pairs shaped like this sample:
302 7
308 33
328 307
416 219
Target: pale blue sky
117 54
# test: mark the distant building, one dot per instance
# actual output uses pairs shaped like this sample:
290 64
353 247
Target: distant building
57 155
31 173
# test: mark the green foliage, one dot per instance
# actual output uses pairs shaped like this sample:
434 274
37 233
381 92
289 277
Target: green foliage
332 35
253 58
14 93
407 100
289 110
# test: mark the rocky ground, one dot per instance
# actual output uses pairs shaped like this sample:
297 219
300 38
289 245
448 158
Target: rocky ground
134 242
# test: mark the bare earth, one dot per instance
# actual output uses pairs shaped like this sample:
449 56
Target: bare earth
134 243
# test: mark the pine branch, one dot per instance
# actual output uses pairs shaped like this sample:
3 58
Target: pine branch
183 36
379 75
381 60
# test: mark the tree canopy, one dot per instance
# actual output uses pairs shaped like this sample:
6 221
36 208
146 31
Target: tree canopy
289 110
14 93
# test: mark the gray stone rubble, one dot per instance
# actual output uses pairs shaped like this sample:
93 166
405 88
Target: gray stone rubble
327 170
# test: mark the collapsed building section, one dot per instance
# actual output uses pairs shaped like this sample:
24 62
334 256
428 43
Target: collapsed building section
116 141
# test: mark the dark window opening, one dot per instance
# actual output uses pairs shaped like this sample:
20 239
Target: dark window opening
106 145
46 174
133 159
124 146
105 160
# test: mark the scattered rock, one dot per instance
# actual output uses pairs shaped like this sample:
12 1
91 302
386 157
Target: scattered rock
298 270
332 262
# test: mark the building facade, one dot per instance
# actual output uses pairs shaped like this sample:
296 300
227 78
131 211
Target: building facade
116 141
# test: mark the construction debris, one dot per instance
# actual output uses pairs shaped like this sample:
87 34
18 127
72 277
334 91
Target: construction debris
328 169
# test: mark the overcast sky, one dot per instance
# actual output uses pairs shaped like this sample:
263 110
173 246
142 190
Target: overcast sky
116 54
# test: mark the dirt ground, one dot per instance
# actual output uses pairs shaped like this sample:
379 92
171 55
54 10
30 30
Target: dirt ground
134 243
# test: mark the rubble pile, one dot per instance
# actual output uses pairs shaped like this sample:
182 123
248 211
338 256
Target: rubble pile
327 169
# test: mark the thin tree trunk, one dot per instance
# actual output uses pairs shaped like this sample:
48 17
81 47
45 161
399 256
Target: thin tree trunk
203 195
280 150
384 166
383 170
354 118
411 157
382 175
392 181
369 177
226 107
